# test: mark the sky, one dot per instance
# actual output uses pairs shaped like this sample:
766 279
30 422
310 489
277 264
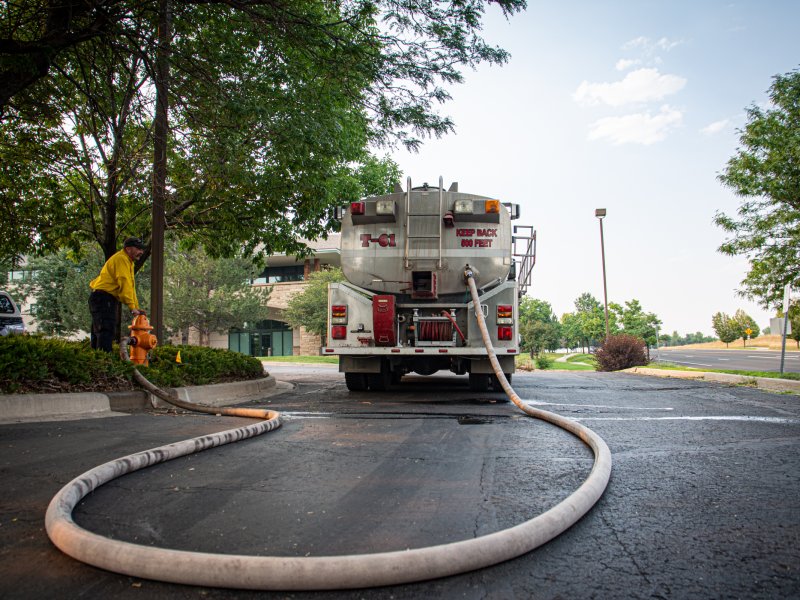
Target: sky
628 105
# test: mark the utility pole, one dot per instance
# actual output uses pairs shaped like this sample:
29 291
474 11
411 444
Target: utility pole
787 292
600 213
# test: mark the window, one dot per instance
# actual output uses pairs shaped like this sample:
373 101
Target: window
280 274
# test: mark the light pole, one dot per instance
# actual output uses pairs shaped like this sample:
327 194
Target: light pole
600 213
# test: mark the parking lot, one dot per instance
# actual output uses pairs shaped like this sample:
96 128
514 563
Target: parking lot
703 500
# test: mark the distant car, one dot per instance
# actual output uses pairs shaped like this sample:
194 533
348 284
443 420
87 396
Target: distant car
10 317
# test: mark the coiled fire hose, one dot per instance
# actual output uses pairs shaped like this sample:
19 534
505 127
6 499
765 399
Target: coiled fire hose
311 573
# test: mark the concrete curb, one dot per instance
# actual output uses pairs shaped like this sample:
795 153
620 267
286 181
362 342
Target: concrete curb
767 383
16 408
32 407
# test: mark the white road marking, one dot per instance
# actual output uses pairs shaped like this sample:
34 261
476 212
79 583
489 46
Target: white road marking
539 403
780 420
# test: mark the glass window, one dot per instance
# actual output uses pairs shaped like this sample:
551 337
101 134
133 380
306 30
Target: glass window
280 274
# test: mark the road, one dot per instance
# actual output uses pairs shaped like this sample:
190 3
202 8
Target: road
742 359
703 501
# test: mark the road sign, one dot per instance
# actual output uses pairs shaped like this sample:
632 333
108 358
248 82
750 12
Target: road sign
776 326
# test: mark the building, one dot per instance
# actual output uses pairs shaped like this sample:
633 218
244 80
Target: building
286 275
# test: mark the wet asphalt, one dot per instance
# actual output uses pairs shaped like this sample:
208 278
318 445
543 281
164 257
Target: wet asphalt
703 502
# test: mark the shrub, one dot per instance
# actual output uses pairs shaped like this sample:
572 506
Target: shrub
543 362
621 352
35 364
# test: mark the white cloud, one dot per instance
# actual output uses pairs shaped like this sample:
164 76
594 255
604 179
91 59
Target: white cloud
667 44
715 127
639 128
623 64
642 85
649 46
639 42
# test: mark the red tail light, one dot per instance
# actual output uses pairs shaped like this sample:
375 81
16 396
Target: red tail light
339 314
338 332
357 208
505 314
504 333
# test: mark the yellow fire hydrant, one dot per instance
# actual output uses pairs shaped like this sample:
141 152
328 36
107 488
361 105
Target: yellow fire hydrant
141 340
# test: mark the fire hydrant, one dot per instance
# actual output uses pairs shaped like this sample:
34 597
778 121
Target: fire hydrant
141 340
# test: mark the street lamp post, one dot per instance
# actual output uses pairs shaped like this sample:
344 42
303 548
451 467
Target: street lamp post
600 213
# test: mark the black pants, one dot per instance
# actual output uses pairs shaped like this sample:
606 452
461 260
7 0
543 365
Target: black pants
104 308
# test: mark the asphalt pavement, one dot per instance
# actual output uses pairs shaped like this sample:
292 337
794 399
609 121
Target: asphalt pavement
737 359
703 501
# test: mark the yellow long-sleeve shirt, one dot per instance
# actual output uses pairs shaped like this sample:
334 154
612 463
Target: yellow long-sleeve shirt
116 278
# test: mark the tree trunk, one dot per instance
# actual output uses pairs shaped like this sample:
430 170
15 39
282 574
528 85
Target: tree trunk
160 132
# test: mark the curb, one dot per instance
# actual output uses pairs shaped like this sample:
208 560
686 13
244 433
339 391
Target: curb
15 408
767 383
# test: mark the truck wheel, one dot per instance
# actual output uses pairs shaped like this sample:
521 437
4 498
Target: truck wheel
478 382
495 381
356 382
380 382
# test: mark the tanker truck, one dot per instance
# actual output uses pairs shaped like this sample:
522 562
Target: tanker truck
406 307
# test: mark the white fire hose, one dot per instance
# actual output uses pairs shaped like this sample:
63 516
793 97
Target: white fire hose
312 573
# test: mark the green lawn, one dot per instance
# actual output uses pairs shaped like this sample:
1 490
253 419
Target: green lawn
331 360
771 374
578 362
575 363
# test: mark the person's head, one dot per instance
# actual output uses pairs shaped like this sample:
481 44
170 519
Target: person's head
133 247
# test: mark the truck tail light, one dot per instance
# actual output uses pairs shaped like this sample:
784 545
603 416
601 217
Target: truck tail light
492 206
504 333
357 208
339 314
338 332
505 314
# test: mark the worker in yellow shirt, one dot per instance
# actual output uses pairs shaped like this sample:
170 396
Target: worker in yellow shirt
115 284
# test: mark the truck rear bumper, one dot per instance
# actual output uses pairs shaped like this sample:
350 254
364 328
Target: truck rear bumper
415 351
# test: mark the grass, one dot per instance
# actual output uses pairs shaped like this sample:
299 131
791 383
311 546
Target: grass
573 363
332 360
577 362
770 374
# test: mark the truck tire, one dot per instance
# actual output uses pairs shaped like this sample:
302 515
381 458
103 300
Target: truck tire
479 382
356 382
380 382
495 382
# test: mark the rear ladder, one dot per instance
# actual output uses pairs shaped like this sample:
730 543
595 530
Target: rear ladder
423 226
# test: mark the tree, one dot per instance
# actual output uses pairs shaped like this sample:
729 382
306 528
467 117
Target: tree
33 34
794 321
309 308
571 333
591 316
539 326
726 327
200 292
210 295
745 323
636 322
273 109
765 172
